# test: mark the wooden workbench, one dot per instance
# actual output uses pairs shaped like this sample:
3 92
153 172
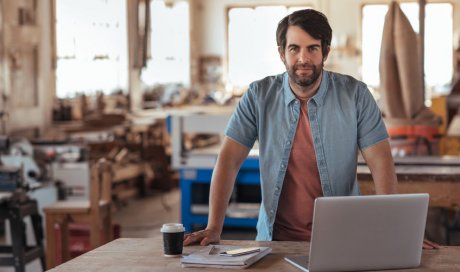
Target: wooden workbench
438 176
136 254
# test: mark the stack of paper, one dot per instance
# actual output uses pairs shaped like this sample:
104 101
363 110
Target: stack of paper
210 257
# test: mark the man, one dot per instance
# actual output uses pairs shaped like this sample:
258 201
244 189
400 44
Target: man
310 124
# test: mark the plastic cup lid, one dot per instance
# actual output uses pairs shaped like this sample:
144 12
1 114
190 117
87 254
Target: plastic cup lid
172 227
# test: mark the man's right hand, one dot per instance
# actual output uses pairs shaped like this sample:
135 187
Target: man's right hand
203 237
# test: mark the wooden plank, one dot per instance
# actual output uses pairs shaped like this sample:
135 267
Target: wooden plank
441 179
124 193
422 160
442 194
419 173
127 171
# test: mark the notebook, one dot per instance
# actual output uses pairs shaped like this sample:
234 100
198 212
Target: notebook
366 233
217 256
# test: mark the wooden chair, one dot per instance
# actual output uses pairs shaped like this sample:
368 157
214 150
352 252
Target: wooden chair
96 212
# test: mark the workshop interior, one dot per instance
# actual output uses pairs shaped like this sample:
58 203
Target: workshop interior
122 105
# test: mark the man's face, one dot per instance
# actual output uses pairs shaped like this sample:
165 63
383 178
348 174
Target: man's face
302 57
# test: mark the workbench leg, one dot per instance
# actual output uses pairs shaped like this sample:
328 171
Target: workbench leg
38 232
64 227
50 242
95 233
18 232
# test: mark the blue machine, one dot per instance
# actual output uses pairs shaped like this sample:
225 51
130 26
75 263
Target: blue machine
248 175
196 166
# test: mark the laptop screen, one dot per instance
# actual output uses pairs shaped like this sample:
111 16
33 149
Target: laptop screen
368 232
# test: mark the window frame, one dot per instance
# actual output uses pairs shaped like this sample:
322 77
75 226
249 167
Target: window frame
59 59
455 29
151 58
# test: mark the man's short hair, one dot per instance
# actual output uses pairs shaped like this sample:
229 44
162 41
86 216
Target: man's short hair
311 21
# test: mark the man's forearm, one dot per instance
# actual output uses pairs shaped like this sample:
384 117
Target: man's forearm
223 181
385 180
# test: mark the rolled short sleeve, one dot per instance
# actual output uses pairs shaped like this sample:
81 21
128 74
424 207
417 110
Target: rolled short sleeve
371 128
242 126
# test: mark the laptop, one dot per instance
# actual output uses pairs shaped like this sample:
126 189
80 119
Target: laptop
375 232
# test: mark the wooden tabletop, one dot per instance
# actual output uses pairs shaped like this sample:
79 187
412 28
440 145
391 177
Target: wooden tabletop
434 173
437 176
423 168
146 254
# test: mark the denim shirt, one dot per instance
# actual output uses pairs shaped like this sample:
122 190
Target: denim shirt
343 117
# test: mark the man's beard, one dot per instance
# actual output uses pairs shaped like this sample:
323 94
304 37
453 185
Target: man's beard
305 81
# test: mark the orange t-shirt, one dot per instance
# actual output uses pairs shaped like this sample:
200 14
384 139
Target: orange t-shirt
301 187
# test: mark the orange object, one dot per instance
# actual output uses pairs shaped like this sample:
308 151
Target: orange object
414 135
414 131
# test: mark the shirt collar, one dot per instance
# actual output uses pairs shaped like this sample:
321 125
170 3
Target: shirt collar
288 94
318 97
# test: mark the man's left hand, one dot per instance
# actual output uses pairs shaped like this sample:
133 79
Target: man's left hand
430 245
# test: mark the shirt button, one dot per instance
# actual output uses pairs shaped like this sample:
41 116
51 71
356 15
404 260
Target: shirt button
288 142
297 102
277 188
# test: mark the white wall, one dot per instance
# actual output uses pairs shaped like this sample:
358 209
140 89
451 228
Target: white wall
344 17
210 19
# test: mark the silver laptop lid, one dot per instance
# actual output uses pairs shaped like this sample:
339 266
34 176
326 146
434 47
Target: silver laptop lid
368 232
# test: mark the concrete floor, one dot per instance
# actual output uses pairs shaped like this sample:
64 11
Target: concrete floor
144 217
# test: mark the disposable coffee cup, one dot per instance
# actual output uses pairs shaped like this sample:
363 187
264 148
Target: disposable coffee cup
173 239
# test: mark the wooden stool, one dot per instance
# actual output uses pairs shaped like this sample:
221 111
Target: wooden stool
96 212
15 211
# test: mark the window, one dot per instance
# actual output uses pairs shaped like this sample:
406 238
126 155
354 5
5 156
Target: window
252 49
91 44
169 46
438 42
